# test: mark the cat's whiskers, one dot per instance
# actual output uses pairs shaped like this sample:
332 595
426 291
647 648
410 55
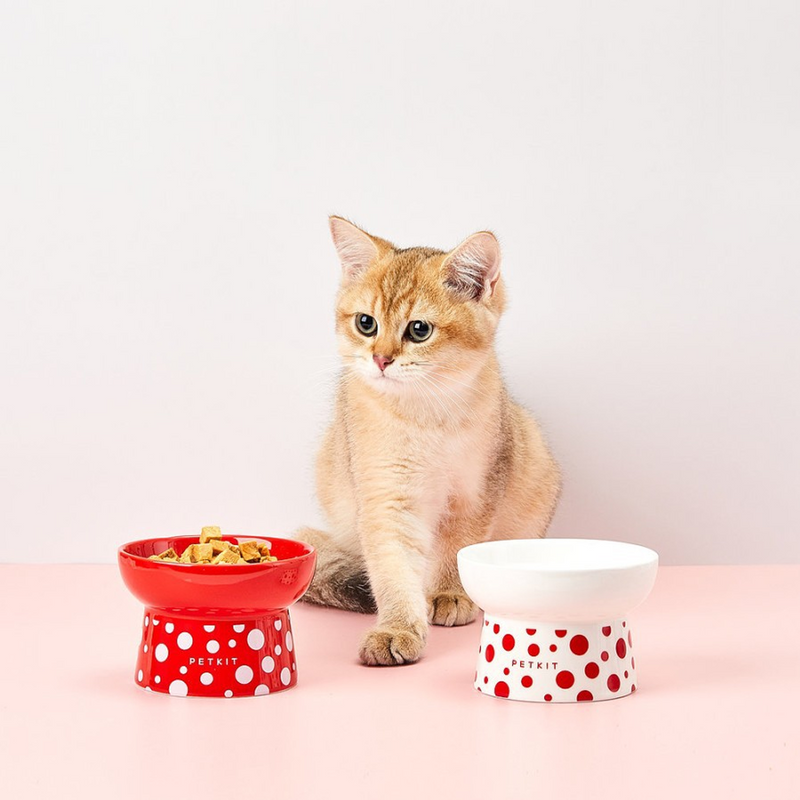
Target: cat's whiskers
449 379
441 393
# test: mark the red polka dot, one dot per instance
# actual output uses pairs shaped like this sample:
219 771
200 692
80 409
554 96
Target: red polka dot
530 631
633 663
626 673
506 671
527 681
496 629
579 645
607 630
592 670
489 652
565 679
561 634
613 683
486 622
485 679
630 641
553 648
604 655
633 687
501 689
508 642
533 650
624 624
548 697
584 696
621 648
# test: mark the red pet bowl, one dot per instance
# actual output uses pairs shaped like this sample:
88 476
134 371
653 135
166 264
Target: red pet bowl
216 630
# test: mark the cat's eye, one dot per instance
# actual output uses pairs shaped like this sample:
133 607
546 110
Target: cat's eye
366 325
418 330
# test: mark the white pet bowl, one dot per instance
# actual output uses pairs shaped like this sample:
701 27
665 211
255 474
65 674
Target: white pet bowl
554 616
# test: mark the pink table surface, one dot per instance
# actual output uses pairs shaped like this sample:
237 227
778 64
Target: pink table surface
716 714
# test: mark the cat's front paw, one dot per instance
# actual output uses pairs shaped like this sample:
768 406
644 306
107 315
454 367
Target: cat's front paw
450 609
390 647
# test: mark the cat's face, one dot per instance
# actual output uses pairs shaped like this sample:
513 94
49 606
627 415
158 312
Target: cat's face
416 321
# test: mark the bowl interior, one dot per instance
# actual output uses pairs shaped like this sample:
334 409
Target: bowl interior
280 548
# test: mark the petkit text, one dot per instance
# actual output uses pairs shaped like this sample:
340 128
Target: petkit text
535 664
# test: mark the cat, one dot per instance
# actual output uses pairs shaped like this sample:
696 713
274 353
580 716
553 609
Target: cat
427 453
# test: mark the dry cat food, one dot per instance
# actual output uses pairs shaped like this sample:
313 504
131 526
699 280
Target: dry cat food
211 549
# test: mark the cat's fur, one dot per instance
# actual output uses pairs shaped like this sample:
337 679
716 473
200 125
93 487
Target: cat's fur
427 456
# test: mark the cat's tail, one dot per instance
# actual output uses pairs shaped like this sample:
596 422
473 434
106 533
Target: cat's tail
340 581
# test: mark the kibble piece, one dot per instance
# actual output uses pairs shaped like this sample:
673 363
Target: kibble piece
219 546
188 557
204 552
250 551
167 555
268 558
210 532
227 556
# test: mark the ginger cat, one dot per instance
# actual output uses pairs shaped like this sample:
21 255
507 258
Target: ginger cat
426 453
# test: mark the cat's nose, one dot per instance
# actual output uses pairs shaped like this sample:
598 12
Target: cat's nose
382 361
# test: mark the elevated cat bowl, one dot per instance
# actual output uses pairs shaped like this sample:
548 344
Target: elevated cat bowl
215 630
555 627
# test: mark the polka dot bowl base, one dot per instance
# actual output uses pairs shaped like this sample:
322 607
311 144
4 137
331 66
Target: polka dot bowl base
555 662
208 658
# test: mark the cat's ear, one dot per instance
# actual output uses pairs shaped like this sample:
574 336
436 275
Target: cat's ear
356 248
473 268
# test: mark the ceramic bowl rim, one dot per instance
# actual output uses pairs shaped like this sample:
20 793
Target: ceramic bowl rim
649 558
215 569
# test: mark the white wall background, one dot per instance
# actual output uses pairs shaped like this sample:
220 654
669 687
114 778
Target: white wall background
167 280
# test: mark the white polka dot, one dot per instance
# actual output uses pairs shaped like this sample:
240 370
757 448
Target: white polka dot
293 666
278 624
139 676
146 621
244 674
185 640
268 663
255 639
289 641
286 676
238 628
261 689
212 646
145 648
156 621
278 650
162 651
169 627
206 678
148 689
178 688
209 628
157 679
228 693
231 642
184 670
